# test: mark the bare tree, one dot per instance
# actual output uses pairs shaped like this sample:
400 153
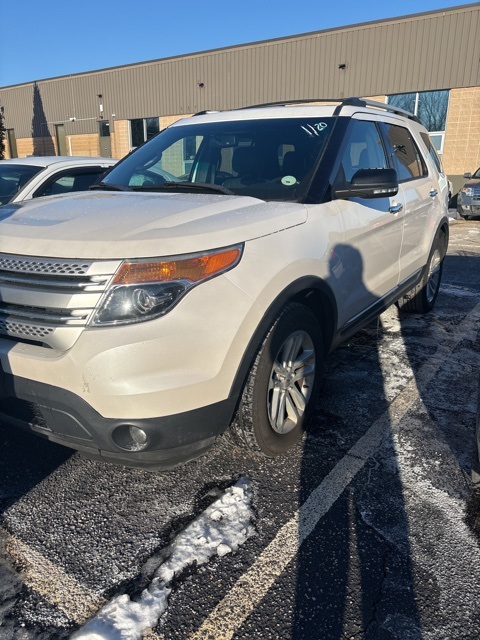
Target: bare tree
404 101
432 109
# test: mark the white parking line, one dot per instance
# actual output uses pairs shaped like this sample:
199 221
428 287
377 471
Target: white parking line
78 603
254 584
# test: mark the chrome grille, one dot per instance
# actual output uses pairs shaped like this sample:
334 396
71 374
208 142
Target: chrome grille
52 282
24 330
44 266
49 301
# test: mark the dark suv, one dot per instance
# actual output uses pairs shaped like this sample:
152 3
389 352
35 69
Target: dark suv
468 202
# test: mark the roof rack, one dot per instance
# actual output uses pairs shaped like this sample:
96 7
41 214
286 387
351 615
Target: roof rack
285 103
202 113
342 102
364 102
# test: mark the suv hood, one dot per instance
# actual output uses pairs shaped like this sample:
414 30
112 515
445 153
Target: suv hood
127 225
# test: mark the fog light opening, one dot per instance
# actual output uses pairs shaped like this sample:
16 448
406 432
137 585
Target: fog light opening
130 437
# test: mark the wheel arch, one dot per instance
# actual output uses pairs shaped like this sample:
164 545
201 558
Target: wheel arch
444 229
310 291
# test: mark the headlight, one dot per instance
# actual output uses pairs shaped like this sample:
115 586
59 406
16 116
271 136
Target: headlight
143 290
468 191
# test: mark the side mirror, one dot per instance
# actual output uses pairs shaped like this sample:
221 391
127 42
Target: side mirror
368 183
467 175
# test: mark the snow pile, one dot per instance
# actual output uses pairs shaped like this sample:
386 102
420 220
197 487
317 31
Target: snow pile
220 529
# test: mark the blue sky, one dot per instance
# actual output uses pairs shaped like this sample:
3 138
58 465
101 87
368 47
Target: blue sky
44 39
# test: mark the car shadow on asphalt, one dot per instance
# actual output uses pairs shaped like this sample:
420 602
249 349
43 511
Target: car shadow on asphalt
354 573
357 574
453 411
25 460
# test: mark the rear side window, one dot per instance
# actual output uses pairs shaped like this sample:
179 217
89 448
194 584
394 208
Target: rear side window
432 152
404 153
70 180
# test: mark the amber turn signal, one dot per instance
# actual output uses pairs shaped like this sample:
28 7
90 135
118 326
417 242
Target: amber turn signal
192 269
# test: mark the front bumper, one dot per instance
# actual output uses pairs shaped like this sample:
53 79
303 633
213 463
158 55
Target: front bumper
469 207
67 419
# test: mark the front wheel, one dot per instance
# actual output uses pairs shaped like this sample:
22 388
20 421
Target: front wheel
282 385
422 298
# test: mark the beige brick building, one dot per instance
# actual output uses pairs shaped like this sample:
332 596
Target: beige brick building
428 63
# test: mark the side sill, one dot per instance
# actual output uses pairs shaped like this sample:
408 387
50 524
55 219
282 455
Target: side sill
378 307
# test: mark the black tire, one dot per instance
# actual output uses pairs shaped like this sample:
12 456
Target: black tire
279 394
422 298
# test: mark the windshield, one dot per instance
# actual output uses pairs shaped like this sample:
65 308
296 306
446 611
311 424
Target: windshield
476 174
268 159
14 177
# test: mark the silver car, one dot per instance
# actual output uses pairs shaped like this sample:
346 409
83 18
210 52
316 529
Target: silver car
468 202
26 178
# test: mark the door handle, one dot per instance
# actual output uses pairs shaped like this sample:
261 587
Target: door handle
395 208
433 193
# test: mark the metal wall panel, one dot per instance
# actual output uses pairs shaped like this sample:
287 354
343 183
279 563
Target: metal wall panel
438 50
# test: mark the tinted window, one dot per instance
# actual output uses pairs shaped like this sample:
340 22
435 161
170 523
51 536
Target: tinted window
430 106
404 153
151 127
363 150
405 101
270 159
68 181
137 133
143 129
13 178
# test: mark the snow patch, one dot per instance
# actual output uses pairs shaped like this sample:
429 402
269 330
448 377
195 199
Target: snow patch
219 530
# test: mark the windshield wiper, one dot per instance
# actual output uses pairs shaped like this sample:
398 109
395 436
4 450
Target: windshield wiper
192 187
108 186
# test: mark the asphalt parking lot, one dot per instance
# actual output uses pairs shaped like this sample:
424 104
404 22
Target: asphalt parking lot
368 530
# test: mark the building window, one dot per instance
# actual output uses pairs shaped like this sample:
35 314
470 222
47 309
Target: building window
431 108
142 129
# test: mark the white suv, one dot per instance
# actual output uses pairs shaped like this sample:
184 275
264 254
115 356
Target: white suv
204 281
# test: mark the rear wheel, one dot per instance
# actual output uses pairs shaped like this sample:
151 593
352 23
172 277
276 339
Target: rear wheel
282 385
421 299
